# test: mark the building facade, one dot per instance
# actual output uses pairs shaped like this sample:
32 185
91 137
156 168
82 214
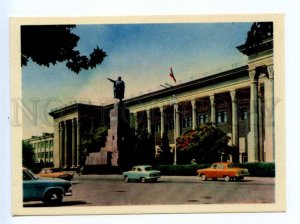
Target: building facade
43 147
71 123
240 101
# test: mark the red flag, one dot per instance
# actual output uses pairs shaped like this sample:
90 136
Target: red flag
172 75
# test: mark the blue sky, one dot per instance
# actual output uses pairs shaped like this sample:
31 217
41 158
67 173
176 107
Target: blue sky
141 53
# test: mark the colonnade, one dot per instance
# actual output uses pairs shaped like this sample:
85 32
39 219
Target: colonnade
69 143
253 145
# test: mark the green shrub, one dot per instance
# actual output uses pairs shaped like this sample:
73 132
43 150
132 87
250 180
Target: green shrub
259 169
180 170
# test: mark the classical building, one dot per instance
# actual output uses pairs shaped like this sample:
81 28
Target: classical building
70 124
239 100
43 147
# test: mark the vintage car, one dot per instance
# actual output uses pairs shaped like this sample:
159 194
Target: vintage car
47 190
55 173
227 170
142 173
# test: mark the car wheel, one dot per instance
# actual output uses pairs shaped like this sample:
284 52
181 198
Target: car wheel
154 180
53 197
227 178
203 177
126 179
143 180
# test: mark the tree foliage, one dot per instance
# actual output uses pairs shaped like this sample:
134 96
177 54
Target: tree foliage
144 148
50 44
258 33
95 139
206 144
140 148
28 155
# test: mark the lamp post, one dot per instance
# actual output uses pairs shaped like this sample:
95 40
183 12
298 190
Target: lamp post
174 102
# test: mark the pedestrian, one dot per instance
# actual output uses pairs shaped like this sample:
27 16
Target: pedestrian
193 162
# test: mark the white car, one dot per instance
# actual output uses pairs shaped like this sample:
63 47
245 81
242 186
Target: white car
142 173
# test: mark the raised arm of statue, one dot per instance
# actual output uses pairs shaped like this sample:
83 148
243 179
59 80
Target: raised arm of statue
113 81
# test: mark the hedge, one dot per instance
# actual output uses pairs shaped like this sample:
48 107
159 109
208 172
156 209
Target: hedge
181 170
260 169
255 169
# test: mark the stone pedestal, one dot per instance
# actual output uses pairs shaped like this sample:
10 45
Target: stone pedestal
119 128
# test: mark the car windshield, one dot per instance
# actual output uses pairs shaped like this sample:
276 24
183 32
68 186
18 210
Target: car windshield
233 165
214 166
32 174
148 168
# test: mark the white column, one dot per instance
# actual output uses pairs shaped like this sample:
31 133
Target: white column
194 119
61 144
176 131
65 144
78 143
269 116
260 124
136 122
212 109
235 137
73 143
253 135
177 121
162 121
149 121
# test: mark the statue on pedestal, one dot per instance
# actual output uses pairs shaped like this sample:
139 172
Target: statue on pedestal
119 88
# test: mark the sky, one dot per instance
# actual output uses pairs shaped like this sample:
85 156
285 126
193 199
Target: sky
141 54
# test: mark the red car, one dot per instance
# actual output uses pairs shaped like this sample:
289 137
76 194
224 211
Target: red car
227 170
51 172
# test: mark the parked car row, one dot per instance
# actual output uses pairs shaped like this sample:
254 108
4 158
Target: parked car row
51 184
227 170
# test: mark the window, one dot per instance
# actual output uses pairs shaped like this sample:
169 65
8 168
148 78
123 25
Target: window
213 166
220 166
222 116
243 113
187 122
202 118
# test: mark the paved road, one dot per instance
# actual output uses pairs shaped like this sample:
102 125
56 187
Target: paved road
105 190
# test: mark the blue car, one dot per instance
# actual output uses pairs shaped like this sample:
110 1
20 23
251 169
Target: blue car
142 173
49 191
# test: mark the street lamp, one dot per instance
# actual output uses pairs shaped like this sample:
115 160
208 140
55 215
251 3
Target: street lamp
174 102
